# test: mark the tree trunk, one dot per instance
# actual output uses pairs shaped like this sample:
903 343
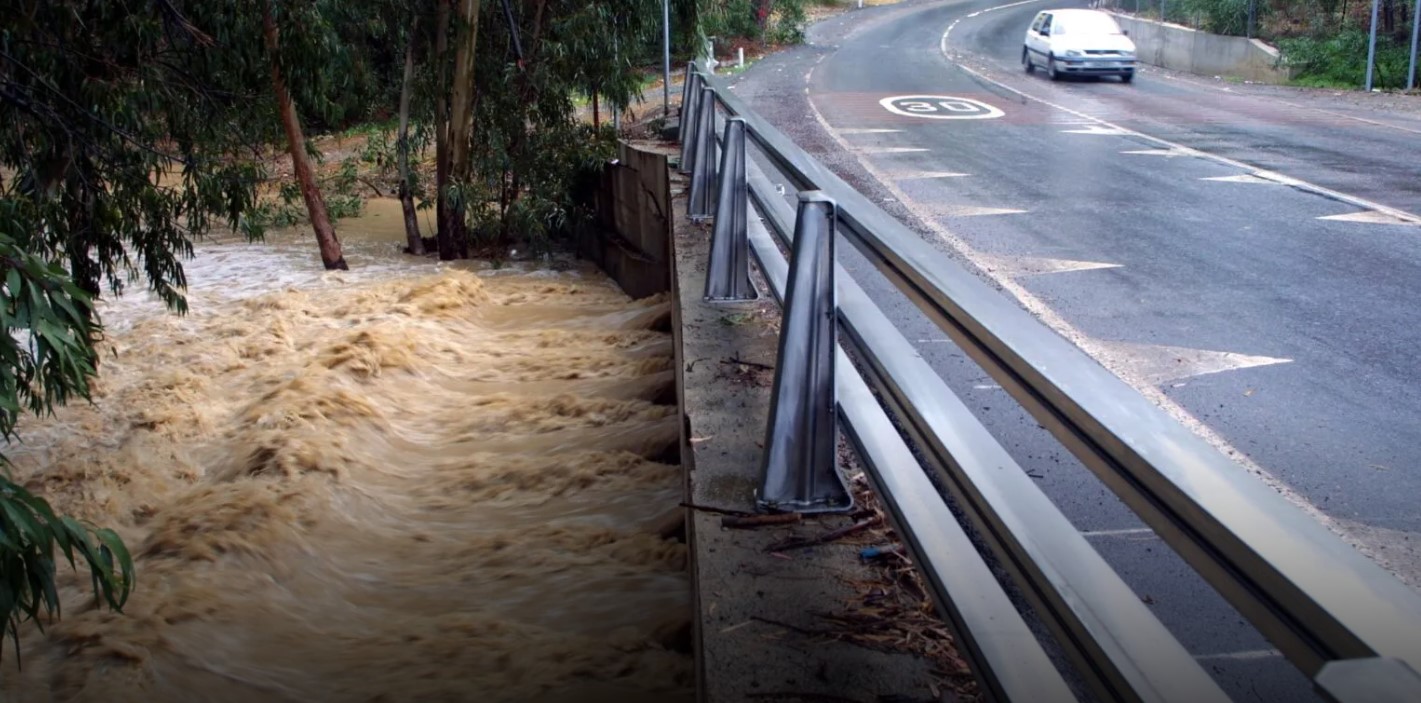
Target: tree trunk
441 128
331 255
460 125
416 243
596 112
763 8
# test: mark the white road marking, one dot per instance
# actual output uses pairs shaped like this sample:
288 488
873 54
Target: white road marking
1170 153
939 107
1241 178
886 149
1017 266
1270 175
868 130
1096 129
1118 533
968 210
1003 7
1371 217
1055 321
913 175
1249 655
1156 363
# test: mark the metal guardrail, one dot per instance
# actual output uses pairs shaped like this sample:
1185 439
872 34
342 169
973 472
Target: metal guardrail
1351 627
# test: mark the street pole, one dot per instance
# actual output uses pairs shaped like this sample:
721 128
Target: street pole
1252 12
666 57
1415 30
1372 44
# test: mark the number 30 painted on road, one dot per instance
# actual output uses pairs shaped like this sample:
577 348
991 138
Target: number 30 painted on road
939 107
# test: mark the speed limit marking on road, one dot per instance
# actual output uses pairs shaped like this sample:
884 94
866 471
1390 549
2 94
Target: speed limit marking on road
939 107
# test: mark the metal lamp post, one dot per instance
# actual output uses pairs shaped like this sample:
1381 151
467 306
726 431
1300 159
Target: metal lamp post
666 57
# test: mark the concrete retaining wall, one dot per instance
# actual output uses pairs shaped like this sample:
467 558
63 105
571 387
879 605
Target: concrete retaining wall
1183 49
631 239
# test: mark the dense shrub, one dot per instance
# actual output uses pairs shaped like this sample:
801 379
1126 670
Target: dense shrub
1341 60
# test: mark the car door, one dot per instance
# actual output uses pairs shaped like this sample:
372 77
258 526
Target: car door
1037 38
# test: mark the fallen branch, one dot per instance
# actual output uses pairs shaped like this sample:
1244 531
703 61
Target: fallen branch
717 511
753 364
827 537
793 628
750 521
366 181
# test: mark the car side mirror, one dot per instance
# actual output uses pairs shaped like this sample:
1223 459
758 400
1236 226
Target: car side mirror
1126 32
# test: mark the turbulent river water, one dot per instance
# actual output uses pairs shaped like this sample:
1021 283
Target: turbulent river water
408 481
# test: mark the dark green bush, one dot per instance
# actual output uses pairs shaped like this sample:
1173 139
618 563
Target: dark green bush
1341 60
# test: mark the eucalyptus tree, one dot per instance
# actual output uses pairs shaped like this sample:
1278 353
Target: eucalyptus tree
310 58
526 149
131 129
116 153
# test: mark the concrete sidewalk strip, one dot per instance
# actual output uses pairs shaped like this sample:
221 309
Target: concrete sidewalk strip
771 624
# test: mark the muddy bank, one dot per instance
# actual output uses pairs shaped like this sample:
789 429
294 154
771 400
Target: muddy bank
404 482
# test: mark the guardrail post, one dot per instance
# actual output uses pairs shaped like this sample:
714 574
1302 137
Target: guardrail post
801 463
701 197
686 130
728 275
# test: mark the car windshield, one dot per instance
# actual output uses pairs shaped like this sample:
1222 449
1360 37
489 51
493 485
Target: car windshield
1085 24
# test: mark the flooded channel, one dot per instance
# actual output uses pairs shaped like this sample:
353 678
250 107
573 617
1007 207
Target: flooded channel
408 481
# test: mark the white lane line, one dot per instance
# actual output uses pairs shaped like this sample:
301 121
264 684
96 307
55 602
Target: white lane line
1168 153
1096 129
1241 178
914 175
1017 266
971 211
1249 655
886 149
1003 7
1261 173
1118 533
868 130
1055 321
1157 363
1370 217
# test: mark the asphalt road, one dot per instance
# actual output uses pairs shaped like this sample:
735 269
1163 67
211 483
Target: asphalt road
1178 230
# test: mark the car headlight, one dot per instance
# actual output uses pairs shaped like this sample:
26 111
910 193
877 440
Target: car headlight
1127 54
1073 52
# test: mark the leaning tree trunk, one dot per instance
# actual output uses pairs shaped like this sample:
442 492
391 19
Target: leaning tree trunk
416 243
460 124
331 255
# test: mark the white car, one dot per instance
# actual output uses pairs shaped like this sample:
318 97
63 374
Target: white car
1078 43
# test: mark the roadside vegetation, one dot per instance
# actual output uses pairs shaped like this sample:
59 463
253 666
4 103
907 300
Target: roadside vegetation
1324 40
135 130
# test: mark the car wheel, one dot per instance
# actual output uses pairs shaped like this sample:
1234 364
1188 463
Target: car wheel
1026 60
1051 69
1127 77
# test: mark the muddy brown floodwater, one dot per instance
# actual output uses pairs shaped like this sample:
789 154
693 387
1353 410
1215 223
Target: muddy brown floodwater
408 481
